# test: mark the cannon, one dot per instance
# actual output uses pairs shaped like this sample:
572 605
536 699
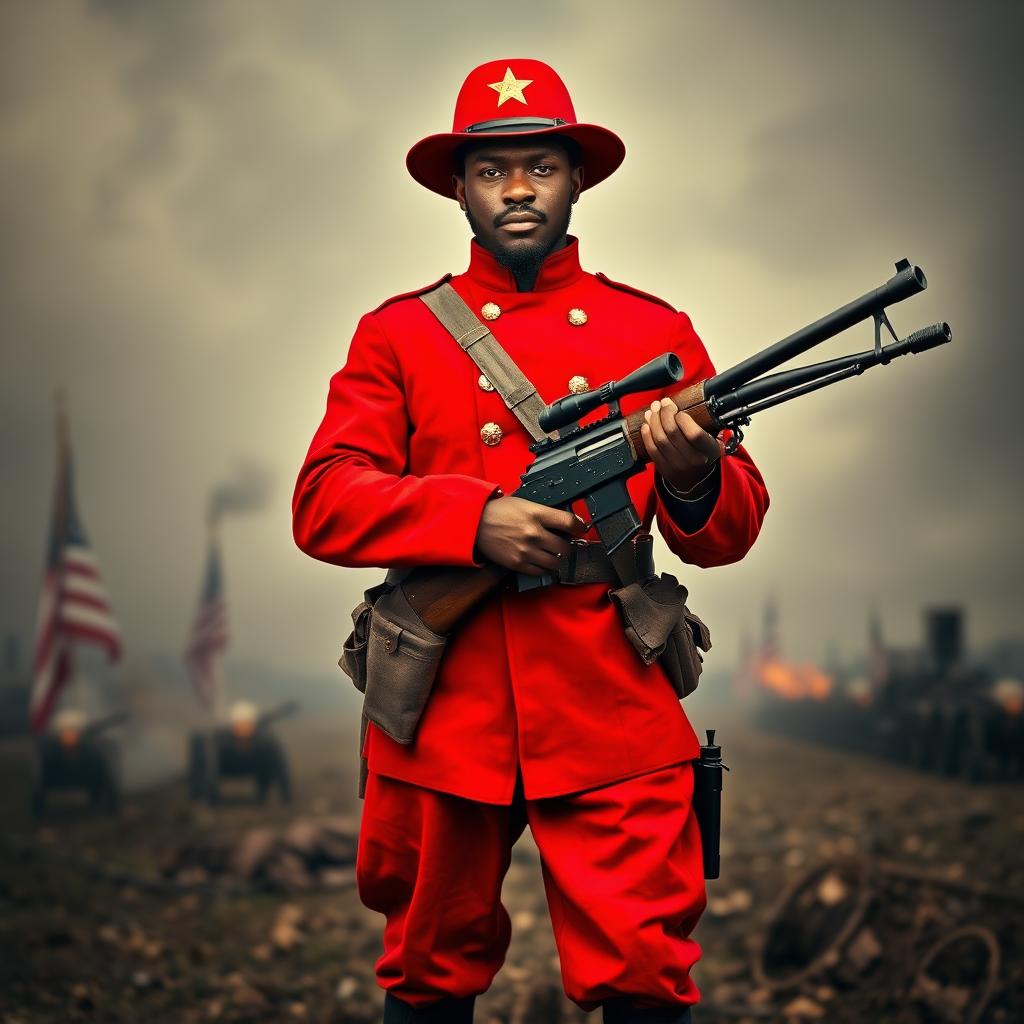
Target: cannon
245 748
76 754
947 716
930 709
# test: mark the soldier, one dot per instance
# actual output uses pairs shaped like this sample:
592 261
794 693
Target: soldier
541 712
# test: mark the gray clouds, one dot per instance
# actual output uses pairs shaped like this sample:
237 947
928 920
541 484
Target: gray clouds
198 201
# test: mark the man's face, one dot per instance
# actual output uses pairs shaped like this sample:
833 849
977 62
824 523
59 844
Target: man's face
518 195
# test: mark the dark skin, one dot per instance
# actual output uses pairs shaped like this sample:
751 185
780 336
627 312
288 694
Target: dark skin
517 195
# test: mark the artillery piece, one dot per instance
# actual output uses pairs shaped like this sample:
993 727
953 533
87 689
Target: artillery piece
948 716
931 709
78 754
247 748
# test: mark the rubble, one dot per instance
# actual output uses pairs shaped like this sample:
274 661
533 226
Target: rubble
863 950
803 1008
216 932
287 931
308 853
885 935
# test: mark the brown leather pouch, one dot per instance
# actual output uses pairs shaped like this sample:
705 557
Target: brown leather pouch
353 652
392 659
660 626
402 658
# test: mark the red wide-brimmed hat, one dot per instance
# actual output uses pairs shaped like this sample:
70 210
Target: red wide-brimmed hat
512 98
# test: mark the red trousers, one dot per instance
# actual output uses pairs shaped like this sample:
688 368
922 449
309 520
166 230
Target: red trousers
622 873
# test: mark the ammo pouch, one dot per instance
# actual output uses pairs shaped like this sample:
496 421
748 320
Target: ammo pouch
660 626
392 658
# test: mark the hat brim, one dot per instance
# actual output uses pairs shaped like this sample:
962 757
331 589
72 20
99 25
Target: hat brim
432 160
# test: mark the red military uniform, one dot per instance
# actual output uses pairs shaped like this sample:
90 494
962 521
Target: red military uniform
541 713
397 474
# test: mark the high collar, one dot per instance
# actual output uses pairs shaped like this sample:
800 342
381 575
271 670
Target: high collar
559 270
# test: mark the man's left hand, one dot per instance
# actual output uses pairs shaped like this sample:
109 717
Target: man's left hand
682 452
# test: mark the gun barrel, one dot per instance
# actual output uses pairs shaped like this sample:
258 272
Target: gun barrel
106 722
275 714
781 387
909 280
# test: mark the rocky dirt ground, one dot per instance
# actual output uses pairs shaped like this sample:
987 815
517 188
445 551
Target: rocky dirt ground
852 891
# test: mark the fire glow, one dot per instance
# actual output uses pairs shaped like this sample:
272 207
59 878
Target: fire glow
791 681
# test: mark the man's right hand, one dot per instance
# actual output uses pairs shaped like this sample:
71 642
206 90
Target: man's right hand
524 536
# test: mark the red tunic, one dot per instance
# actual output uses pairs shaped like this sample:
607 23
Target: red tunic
397 475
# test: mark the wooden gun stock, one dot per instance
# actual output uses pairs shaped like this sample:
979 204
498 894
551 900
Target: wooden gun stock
441 595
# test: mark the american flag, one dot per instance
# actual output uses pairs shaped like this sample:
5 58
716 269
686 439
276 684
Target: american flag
73 603
209 636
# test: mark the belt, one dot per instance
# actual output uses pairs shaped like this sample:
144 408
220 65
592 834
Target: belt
588 562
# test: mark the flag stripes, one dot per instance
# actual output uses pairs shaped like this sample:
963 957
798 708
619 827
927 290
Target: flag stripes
209 635
73 603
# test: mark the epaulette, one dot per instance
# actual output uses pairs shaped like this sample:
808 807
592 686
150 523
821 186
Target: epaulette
414 293
634 291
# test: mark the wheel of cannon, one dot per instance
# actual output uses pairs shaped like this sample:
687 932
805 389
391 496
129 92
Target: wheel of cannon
932 742
950 736
974 752
812 921
967 962
283 778
197 766
38 799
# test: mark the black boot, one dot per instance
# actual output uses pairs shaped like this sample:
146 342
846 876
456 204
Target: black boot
622 1011
447 1011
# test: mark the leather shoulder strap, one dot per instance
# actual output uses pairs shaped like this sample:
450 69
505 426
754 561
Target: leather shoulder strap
509 381
494 362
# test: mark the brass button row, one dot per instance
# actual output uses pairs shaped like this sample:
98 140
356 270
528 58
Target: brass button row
577 384
491 433
576 316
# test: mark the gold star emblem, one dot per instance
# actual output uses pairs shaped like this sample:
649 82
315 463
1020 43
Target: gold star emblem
510 87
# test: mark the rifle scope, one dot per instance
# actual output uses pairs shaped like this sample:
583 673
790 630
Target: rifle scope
658 373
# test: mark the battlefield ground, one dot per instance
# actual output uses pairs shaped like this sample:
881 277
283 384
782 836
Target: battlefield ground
852 890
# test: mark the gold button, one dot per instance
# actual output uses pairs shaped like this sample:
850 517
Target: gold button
577 385
485 384
577 316
387 645
490 433
490 311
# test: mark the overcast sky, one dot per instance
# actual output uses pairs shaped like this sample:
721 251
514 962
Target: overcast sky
199 199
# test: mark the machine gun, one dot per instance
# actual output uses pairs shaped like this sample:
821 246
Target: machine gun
275 714
594 462
102 725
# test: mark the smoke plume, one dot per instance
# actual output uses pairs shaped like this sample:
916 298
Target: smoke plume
246 490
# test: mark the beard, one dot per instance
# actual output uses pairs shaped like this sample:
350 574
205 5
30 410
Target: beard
523 259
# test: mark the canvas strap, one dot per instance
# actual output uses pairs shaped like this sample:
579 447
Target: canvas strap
485 350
